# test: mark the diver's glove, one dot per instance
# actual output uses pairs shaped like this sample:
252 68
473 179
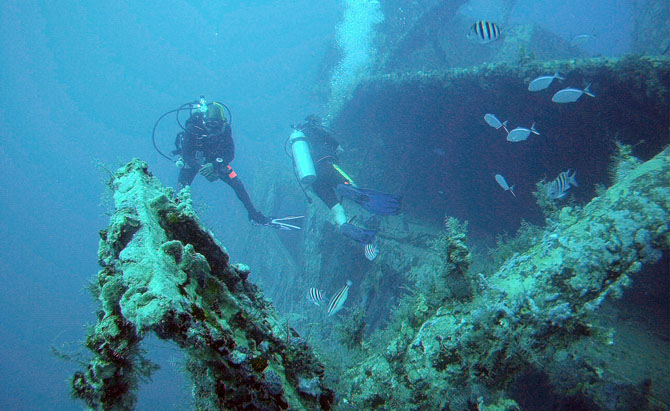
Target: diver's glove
257 218
208 171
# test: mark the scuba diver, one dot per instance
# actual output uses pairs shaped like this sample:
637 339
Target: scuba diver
315 153
206 147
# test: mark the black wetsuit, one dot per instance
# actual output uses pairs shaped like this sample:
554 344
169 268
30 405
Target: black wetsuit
323 148
198 148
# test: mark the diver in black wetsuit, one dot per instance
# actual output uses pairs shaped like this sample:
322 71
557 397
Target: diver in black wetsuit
207 147
332 184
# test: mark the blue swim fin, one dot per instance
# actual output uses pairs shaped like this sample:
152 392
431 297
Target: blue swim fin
373 201
357 234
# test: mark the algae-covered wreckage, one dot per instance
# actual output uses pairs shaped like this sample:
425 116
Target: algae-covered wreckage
163 272
474 335
433 327
538 311
444 326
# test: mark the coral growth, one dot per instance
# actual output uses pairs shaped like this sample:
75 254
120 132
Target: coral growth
163 272
623 162
536 312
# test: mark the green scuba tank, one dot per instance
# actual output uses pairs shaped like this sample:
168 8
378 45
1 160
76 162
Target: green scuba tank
302 158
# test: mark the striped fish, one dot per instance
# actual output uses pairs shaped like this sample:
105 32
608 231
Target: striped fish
560 186
484 32
338 299
371 251
316 296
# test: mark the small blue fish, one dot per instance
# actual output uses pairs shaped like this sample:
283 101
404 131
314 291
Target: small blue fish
502 183
371 251
338 299
579 40
570 95
560 186
521 133
493 121
543 82
316 296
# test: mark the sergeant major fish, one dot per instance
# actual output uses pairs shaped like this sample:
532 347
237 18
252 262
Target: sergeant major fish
316 296
338 299
484 32
371 251
560 186
543 82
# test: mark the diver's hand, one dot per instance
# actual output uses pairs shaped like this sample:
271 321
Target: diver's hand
207 170
257 218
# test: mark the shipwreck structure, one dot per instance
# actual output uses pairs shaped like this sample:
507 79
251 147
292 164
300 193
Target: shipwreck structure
428 320
429 324
164 273
538 314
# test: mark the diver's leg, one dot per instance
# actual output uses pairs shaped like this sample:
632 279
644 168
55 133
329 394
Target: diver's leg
324 188
234 181
339 215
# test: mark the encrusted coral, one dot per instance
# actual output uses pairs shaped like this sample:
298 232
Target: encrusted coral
164 273
538 304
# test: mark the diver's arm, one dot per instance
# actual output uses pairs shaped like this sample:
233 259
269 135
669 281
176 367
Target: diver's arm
330 140
227 145
188 151
319 133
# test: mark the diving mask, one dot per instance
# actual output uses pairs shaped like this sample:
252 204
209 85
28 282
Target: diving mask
214 127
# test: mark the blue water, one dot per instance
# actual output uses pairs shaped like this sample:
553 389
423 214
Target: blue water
82 82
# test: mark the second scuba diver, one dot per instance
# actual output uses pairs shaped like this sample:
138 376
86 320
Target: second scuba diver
315 159
206 147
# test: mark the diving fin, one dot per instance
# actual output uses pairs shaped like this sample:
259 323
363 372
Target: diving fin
357 234
373 201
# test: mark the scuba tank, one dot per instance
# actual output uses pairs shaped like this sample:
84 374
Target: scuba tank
302 158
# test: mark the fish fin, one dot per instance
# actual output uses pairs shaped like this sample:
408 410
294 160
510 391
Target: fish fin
573 179
532 129
511 190
588 92
504 125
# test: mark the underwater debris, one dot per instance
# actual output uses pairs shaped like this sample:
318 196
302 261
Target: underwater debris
534 313
163 272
